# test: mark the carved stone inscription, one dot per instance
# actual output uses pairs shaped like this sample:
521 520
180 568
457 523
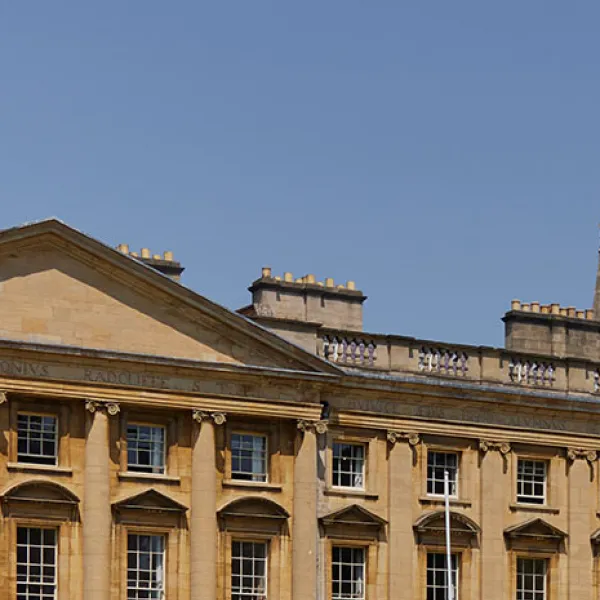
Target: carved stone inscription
148 380
473 414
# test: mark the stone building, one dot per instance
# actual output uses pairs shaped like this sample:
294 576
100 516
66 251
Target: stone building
159 446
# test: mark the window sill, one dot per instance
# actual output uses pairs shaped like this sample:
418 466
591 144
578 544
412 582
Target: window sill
255 485
340 491
158 477
535 508
439 501
33 468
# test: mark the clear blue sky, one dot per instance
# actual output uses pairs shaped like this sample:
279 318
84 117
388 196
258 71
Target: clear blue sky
442 154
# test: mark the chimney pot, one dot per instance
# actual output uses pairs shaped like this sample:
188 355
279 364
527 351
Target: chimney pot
266 272
277 278
589 314
168 255
351 285
555 309
545 309
145 253
525 306
571 311
135 254
515 305
535 307
581 314
124 248
564 312
329 282
310 278
287 276
156 257
299 280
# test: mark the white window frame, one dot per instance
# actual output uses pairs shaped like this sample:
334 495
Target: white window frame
255 475
23 457
358 586
535 591
524 479
440 592
453 472
357 477
133 590
256 591
30 578
142 468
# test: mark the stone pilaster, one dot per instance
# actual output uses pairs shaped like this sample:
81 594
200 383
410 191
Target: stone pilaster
401 546
305 529
493 502
97 518
581 522
203 513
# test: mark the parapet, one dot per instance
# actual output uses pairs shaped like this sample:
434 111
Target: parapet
164 263
307 300
552 329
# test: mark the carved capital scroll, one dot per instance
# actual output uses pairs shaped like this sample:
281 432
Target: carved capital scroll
319 427
413 439
3 397
199 416
92 405
574 453
487 446
113 408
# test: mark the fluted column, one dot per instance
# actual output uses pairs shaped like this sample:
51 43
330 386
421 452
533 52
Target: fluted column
401 545
97 518
581 522
304 531
494 497
203 514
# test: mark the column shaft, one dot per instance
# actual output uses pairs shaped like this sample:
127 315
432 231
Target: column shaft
203 518
304 539
97 519
401 539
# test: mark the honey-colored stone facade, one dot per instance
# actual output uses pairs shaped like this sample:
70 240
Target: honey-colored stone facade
99 340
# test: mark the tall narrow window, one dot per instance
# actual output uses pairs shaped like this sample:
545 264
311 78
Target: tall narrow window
145 567
248 457
348 573
37 439
531 481
145 448
248 570
531 579
348 465
36 563
437 463
437 576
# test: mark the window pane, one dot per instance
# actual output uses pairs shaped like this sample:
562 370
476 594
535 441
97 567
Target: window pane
437 463
348 573
36 564
437 576
531 481
250 559
248 457
145 566
37 439
145 448
348 465
531 578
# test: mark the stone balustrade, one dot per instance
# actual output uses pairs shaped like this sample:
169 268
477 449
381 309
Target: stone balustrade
408 356
443 360
349 350
530 371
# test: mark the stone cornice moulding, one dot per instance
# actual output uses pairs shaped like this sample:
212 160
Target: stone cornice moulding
112 408
413 439
574 453
200 416
319 427
486 446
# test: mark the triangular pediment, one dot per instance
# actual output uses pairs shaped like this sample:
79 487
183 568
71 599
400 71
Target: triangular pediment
535 529
353 515
61 287
150 500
